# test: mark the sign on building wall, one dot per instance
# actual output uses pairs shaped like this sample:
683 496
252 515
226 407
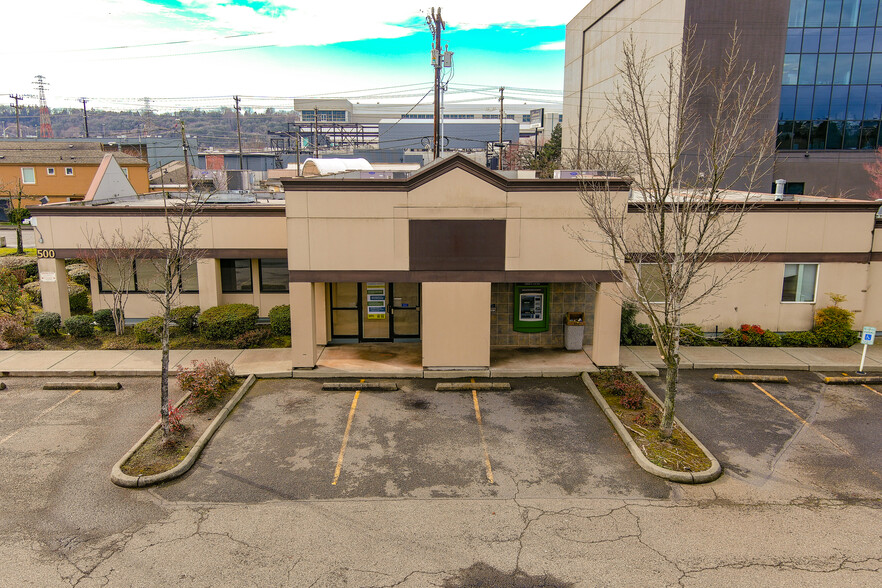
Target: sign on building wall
376 300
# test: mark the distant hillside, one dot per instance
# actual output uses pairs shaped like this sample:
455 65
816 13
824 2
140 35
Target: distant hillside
213 128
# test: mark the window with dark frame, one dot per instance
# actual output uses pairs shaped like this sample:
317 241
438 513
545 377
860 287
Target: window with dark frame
236 276
273 275
145 277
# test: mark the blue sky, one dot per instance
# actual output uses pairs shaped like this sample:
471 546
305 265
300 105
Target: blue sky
115 52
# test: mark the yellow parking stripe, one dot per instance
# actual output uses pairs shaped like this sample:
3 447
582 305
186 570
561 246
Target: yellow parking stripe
36 418
346 437
481 431
872 389
802 420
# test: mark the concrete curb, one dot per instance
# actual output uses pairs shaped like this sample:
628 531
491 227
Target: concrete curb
465 386
120 479
352 386
82 386
853 380
708 475
750 378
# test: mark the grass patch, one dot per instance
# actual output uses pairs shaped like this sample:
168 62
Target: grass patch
679 453
28 251
156 456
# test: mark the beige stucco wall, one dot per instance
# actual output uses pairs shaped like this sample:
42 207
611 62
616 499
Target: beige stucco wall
351 230
796 236
656 24
456 324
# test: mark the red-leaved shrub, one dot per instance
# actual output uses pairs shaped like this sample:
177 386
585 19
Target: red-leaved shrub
205 381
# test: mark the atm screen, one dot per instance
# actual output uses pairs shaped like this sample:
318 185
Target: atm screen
531 306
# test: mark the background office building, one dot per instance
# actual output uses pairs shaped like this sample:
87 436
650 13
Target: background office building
825 57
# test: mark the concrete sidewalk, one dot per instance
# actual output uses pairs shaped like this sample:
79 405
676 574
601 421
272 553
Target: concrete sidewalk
646 360
403 360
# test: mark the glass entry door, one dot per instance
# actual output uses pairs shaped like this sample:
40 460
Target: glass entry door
376 315
406 310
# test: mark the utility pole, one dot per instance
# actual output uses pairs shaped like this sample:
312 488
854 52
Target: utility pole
501 120
186 150
315 139
239 132
85 116
17 98
298 151
436 25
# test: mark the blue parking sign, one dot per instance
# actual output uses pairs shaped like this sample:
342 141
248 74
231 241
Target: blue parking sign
868 336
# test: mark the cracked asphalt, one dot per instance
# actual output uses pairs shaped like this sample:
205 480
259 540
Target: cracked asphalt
413 506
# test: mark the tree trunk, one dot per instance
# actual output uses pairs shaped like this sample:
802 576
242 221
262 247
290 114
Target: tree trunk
163 394
672 374
20 249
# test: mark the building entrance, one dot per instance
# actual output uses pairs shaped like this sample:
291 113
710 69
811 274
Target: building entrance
375 311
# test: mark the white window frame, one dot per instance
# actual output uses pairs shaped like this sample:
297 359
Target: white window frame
33 176
50 171
68 171
799 281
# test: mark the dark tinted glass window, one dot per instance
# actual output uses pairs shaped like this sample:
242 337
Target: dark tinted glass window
236 275
273 275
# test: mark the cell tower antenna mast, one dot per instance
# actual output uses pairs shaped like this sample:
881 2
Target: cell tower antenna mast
45 123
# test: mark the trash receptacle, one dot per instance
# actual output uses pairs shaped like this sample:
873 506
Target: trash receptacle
574 331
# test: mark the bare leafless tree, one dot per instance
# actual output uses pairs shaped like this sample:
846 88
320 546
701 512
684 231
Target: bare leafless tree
666 241
15 212
113 255
172 244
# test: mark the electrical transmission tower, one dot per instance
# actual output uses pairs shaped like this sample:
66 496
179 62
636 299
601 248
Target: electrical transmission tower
45 123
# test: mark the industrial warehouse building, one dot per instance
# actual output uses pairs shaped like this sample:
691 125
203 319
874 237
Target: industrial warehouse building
465 260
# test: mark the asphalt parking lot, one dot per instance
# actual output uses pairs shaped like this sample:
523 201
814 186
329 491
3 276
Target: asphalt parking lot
821 436
545 437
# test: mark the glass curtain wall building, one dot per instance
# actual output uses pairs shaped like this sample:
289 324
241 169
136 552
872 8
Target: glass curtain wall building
831 90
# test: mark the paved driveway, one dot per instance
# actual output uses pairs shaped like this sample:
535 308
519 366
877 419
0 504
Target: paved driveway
544 438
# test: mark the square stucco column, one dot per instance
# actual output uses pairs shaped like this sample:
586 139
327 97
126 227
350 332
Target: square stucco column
604 350
53 286
304 350
456 324
209 279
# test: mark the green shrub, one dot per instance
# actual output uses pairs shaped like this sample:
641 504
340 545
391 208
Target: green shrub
149 331
34 292
12 299
18 262
78 297
79 273
13 331
799 339
834 327
633 333
280 319
104 319
186 317
227 321
47 323
252 338
205 381
79 326
691 335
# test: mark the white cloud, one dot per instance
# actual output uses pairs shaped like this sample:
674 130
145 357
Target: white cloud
555 46
135 47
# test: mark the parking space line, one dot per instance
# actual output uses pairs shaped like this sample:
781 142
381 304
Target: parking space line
872 389
36 418
481 431
346 437
800 419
